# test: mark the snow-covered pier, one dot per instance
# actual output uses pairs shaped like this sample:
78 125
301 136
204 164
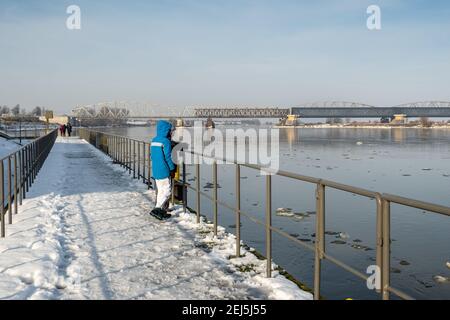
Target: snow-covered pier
84 232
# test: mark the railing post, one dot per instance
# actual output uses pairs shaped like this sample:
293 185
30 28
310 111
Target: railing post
113 148
129 155
119 150
172 194
28 167
197 182
2 198
10 207
238 210
16 208
122 152
215 197
184 188
320 238
269 225
20 178
385 272
32 164
33 148
143 162
134 159
379 237
107 146
125 152
149 173
139 160
16 195
22 181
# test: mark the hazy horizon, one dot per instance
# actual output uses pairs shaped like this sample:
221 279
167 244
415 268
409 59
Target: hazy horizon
247 52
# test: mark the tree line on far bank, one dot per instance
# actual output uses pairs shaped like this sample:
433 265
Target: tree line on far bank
16 111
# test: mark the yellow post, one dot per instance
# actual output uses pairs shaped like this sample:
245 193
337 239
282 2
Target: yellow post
177 174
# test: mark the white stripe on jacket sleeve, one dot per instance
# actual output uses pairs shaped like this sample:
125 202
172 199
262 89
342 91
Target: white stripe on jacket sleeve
157 144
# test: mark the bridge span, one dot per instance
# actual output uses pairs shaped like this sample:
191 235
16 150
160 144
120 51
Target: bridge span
327 109
376 112
356 110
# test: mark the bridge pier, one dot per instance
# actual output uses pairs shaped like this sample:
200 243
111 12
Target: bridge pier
291 120
399 119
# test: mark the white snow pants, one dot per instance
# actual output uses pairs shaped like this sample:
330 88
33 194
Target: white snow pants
163 192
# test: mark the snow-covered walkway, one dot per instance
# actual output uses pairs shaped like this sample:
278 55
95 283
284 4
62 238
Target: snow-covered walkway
84 233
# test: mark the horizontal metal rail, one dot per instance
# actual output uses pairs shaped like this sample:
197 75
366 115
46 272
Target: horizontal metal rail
18 170
417 204
119 149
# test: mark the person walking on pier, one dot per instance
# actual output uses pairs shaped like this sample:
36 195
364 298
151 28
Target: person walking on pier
69 129
61 130
163 168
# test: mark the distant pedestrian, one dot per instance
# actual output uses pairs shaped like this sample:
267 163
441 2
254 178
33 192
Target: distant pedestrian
69 129
163 168
61 130
65 130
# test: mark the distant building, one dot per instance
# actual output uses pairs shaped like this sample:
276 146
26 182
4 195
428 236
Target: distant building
57 119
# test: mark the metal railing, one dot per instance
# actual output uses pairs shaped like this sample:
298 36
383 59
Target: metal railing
26 131
18 171
123 151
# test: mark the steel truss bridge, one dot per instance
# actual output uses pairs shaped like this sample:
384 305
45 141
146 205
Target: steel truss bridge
327 109
338 109
241 112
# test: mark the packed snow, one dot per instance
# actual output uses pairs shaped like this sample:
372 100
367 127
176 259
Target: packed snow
84 233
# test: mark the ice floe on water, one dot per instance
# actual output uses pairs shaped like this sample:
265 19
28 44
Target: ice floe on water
441 279
210 185
344 235
289 213
404 263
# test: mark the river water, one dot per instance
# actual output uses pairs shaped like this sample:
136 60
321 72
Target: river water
410 162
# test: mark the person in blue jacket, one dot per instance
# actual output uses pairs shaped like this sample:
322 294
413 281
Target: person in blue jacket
163 167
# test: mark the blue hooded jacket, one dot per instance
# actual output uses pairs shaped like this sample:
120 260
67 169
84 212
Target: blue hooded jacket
161 151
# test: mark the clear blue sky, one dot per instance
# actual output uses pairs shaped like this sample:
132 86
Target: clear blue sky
227 52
